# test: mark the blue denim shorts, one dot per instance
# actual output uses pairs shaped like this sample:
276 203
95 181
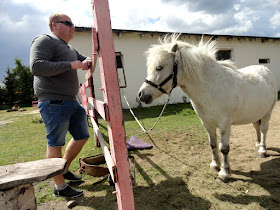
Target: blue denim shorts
61 116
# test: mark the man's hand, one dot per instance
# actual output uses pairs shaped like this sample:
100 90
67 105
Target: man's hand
76 64
86 64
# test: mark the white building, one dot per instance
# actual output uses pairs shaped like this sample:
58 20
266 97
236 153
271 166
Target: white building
242 50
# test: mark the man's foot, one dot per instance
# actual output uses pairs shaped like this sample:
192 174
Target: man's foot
72 177
68 192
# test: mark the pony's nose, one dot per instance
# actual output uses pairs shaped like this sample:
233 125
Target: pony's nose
140 95
145 98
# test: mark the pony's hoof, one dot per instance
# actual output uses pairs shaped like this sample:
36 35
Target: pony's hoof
262 155
215 167
224 175
224 179
218 180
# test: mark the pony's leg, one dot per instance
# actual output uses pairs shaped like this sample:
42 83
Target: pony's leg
258 132
212 137
224 173
263 128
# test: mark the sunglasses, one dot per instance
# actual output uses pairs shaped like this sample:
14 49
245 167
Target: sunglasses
65 22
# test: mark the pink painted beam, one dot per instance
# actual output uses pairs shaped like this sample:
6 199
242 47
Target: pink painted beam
100 107
109 161
111 93
83 93
94 54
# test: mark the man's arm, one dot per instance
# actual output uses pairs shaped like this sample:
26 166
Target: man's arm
41 54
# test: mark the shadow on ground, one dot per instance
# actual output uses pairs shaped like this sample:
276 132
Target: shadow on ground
171 193
268 178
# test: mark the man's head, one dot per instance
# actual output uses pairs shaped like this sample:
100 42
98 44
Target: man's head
61 25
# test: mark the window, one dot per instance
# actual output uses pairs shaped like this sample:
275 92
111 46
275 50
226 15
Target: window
119 63
120 70
264 60
223 55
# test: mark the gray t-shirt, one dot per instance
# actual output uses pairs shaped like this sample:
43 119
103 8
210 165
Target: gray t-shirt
50 59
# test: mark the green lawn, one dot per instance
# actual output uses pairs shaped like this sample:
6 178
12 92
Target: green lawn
23 139
174 175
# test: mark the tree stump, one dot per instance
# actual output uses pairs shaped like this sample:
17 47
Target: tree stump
16 188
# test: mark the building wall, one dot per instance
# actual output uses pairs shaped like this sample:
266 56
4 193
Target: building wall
132 45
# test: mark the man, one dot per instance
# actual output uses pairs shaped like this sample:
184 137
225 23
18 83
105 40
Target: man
54 65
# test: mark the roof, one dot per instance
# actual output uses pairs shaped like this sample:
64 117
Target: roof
122 31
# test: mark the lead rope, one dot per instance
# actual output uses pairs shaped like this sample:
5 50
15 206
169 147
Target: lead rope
174 84
145 131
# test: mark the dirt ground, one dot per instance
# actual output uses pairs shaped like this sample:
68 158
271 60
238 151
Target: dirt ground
171 177
18 114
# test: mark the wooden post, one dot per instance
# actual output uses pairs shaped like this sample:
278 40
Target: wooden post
21 197
16 188
111 93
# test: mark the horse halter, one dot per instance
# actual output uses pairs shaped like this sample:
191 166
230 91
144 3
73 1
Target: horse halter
171 76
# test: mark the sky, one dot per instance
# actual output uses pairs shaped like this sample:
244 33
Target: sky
22 20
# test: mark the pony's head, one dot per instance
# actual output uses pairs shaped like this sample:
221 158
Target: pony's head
161 63
192 61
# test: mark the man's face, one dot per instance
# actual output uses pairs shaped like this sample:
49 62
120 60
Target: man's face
64 29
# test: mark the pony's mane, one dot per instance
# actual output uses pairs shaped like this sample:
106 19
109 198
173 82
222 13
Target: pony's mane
193 60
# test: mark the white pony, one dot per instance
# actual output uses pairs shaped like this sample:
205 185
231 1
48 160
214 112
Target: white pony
221 94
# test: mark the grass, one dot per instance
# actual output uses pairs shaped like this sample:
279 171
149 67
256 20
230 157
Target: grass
173 176
24 137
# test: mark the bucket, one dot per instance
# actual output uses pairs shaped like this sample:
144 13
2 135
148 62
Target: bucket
91 166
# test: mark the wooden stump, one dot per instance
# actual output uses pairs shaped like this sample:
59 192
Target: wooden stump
21 197
16 188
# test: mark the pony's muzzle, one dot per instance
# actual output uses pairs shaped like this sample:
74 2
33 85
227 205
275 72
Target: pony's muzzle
147 99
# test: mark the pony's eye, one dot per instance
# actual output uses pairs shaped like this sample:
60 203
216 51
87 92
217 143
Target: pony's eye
159 68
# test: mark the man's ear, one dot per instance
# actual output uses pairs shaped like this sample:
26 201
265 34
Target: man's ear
54 25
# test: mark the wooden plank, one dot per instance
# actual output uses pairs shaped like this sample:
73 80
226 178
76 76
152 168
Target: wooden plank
92 68
34 171
94 111
94 54
21 197
110 163
99 106
111 93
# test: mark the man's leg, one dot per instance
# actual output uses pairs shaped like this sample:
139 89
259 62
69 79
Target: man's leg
78 128
54 114
55 152
72 150
61 188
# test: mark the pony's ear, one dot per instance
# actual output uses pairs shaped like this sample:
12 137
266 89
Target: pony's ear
174 48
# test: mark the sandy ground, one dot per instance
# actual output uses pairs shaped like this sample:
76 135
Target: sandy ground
18 113
244 135
255 176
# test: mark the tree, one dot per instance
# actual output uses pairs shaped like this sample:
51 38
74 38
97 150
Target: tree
24 86
2 95
10 87
18 84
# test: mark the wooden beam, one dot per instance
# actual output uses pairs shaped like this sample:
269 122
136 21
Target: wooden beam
95 47
112 98
110 163
100 107
29 172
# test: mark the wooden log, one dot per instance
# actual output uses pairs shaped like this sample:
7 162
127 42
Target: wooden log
109 161
95 47
21 197
100 107
26 173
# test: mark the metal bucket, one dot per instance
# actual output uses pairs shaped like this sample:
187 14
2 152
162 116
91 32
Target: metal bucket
91 166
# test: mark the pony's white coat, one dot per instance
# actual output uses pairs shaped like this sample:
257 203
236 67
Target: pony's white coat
220 93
